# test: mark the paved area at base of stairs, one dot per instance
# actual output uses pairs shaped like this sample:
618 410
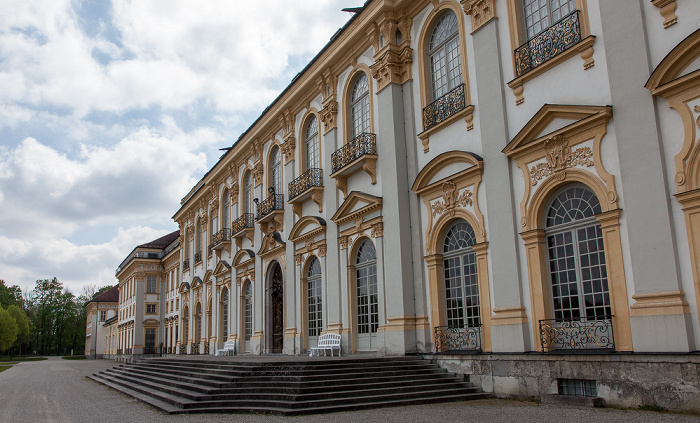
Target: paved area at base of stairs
56 390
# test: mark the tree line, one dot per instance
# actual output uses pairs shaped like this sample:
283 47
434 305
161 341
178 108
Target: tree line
47 320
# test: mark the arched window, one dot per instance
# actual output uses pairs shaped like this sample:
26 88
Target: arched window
443 56
247 316
314 302
366 289
198 241
576 257
187 248
198 324
226 209
248 193
359 106
224 314
311 144
276 170
460 276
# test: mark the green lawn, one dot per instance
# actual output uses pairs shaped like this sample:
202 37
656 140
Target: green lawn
15 359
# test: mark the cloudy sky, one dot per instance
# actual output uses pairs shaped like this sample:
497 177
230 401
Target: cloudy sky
111 110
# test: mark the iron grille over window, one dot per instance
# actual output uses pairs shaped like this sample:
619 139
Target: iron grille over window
363 144
310 178
548 43
219 237
270 204
578 387
243 222
458 338
577 334
444 107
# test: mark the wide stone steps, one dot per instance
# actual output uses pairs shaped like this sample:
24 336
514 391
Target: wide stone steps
285 387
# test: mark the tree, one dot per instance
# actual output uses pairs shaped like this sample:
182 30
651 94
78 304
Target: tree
10 295
24 334
8 330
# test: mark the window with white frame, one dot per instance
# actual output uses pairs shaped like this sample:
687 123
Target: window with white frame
151 284
366 286
314 302
460 276
443 56
359 106
226 208
224 313
541 14
248 193
576 256
311 144
150 308
276 170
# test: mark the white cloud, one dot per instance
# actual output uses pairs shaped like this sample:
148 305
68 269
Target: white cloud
24 262
144 175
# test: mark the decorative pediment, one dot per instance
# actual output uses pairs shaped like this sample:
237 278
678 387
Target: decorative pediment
677 79
151 322
243 257
676 64
272 244
196 282
207 276
448 186
554 119
184 287
356 204
562 144
222 269
449 165
307 227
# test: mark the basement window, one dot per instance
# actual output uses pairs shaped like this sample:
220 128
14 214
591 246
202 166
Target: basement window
577 387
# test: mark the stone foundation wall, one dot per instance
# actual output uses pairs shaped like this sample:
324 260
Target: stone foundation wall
624 380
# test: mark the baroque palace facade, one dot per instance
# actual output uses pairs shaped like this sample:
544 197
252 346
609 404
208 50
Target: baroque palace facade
494 181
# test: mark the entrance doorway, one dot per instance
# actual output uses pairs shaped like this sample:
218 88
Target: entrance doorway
275 310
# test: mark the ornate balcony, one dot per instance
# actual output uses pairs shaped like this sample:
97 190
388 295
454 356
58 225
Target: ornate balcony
577 334
197 257
444 107
243 227
269 210
309 184
185 264
450 339
554 40
221 239
358 154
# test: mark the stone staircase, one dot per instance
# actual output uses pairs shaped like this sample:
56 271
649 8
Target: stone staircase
321 385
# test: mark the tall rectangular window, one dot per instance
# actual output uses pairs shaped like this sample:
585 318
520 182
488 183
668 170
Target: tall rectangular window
150 309
151 284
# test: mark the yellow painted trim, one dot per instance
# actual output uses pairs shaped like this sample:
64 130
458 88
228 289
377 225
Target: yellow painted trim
509 316
659 304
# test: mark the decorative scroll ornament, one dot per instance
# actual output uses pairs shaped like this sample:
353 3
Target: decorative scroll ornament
322 249
697 110
288 148
377 230
481 11
298 258
559 158
451 199
257 174
343 241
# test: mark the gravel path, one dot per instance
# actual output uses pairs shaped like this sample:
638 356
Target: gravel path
56 390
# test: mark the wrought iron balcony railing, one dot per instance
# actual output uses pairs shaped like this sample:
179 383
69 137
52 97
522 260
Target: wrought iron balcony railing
577 334
186 264
198 257
363 144
270 204
458 338
548 43
243 222
310 178
222 236
444 107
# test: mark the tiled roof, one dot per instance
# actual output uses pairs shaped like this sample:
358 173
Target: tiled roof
161 242
109 296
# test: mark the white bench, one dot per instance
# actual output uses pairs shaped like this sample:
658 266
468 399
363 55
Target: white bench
229 348
328 341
